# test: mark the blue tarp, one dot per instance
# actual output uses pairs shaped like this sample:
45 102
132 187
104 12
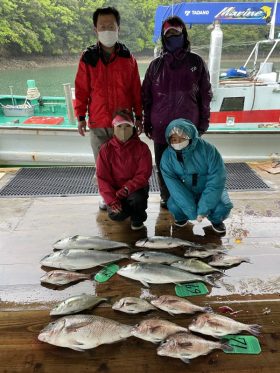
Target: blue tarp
228 13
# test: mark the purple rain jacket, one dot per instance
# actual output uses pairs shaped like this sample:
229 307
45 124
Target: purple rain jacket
176 86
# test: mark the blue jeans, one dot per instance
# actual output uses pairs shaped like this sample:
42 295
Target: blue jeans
216 216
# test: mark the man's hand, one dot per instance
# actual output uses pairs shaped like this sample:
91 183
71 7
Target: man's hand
122 193
139 126
82 127
115 206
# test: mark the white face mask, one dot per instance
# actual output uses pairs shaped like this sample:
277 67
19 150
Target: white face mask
181 145
108 38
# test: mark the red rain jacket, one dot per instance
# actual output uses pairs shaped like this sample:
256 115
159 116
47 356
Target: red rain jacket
101 88
123 164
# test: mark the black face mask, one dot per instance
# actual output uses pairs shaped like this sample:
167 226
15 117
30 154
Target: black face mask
174 42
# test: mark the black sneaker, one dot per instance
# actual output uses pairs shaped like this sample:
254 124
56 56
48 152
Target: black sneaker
163 203
219 228
136 225
181 223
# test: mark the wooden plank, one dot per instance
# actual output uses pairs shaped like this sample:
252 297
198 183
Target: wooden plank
21 351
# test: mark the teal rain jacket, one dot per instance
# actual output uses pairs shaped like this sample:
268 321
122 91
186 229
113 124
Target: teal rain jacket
196 182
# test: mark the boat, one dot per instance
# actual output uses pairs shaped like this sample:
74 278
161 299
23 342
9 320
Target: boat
245 110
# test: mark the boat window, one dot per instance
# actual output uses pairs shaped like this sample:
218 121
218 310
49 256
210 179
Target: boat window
233 104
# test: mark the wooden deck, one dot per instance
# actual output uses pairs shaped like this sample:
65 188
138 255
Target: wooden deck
29 227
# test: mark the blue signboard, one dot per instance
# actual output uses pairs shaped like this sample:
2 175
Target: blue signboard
228 13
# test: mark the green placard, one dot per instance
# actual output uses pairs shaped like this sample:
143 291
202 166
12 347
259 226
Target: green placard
243 344
106 273
191 289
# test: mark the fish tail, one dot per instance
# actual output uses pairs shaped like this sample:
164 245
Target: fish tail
207 309
254 329
209 279
226 346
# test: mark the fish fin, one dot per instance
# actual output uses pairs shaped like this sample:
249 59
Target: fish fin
145 283
74 238
76 325
185 359
247 260
170 313
209 279
185 345
255 329
77 348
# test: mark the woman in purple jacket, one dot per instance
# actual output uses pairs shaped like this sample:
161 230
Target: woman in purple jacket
176 85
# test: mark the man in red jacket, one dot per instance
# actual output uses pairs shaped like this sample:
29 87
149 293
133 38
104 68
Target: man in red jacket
124 166
107 79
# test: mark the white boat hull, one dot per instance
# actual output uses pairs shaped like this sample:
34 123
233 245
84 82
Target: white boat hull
20 146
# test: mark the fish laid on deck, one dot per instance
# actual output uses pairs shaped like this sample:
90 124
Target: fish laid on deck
202 253
82 332
161 242
156 330
60 277
194 265
76 304
186 346
227 260
176 305
133 305
218 326
75 259
154 273
87 242
155 257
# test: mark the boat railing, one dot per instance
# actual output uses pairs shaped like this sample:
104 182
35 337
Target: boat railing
258 71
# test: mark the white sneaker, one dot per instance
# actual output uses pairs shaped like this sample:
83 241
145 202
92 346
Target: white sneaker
102 205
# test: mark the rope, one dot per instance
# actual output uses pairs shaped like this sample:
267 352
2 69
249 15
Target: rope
32 93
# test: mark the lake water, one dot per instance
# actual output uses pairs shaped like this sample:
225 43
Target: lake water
50 80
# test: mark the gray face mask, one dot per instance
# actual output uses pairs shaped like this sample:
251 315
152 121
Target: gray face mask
123 133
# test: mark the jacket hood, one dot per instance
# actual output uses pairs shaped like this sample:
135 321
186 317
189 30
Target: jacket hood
186 126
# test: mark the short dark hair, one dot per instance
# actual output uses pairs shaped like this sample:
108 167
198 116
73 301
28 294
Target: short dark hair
107 10
175 21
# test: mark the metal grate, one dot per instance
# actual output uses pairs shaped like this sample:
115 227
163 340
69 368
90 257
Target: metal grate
73 181
241 177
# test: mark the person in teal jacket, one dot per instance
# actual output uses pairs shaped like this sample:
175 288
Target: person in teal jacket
195 175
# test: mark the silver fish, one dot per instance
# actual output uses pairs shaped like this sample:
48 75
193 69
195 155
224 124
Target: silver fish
161 242
176 305
156 330
194 265
155 257
227 261
202 253
154 273
133 305
75 259
186 346
76 304
82 332
218 326
60 277
87 242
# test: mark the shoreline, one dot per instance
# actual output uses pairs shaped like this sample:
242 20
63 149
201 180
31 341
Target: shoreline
38 62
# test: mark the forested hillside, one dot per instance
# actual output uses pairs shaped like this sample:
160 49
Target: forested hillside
64 27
